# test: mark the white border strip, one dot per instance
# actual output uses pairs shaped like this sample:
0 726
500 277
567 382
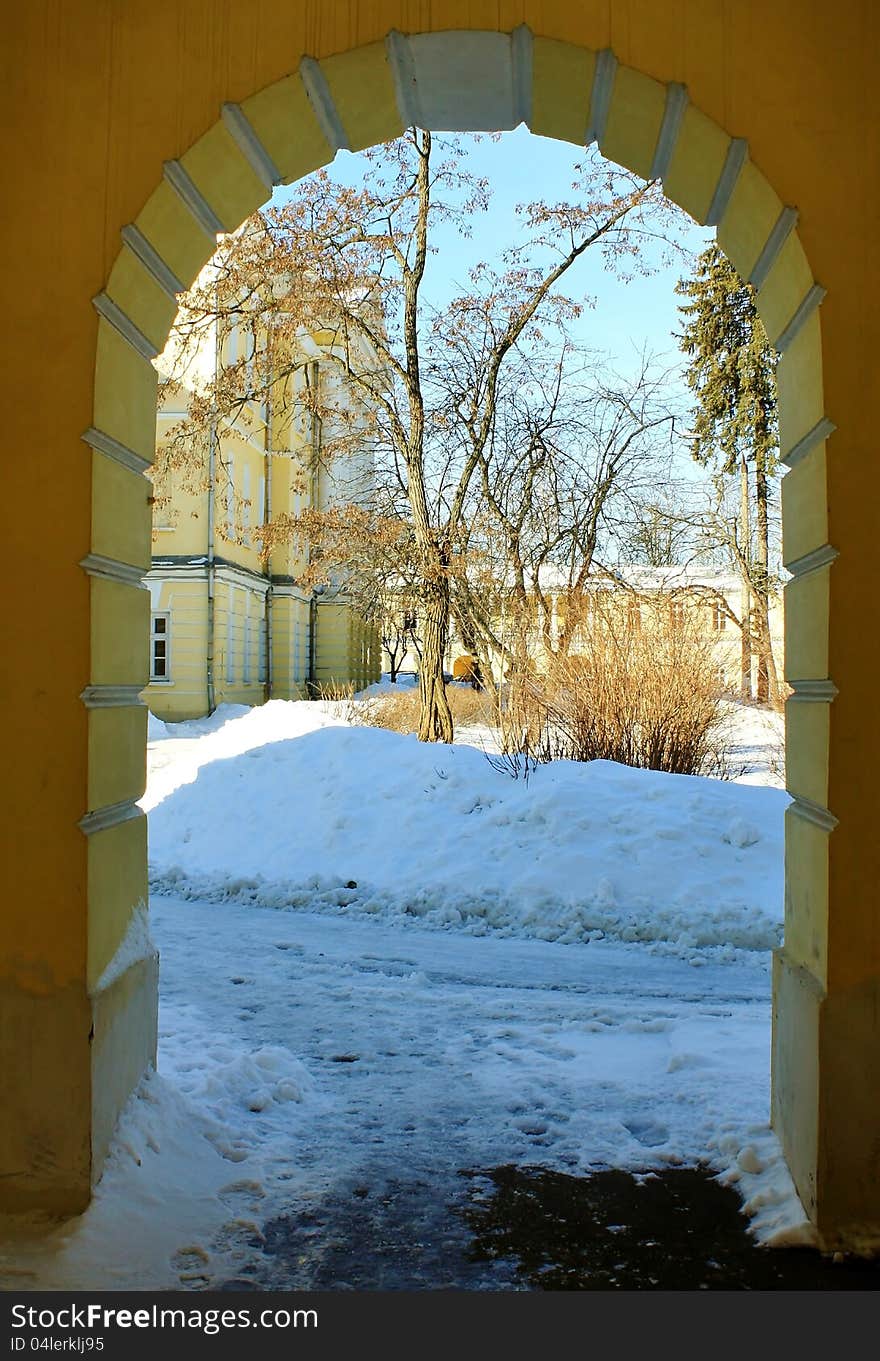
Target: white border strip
673 113
113 697
403 74
198 206
813 691
111 569
250 146
820 431
801 316
321 100
737 155
782 229
121 322
112 815
600 98
111 448
812 812
813 562
152 261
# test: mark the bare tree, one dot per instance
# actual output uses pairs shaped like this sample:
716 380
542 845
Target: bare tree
420 389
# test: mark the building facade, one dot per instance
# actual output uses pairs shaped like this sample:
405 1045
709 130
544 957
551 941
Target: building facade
232 619
707 603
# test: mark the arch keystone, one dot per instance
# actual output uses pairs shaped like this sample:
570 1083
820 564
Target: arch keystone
464 79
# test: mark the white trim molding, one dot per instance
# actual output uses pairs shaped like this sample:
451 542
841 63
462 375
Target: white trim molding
737 155
600 96
112 815
111 569
111 448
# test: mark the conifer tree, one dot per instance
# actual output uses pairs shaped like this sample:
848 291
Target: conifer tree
735 429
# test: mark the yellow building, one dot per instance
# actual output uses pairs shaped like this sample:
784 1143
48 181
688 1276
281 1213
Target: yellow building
229 621
760 118
709 602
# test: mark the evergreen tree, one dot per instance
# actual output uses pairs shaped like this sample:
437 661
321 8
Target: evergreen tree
732 376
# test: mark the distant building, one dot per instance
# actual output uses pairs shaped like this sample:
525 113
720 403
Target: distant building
229 622
710 601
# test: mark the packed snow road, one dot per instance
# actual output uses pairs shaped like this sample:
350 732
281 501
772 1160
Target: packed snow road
433 1055
388 970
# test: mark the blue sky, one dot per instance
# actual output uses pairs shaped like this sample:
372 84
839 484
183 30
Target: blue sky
628 317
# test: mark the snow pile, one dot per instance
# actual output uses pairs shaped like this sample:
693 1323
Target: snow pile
189 1155
231 729
770 1199
161 1190
386 686
156 729
363 820
136 944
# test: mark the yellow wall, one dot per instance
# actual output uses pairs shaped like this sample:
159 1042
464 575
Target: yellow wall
81 101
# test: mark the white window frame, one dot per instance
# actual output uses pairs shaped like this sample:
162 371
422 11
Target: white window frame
261 645
246 503
246 663
230 639
160 636
230 500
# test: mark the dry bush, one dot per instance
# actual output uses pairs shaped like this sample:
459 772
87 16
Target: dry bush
400 712
397 712
352 710
642 689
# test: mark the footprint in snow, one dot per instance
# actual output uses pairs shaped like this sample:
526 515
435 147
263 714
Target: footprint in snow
647 1132
192 1264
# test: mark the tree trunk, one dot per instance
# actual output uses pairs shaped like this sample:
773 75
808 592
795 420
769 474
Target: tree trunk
435 717
745 687
767 688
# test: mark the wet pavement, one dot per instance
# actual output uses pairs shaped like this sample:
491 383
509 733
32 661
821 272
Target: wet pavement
529 1228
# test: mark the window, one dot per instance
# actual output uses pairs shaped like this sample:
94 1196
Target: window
410 621
246 504
719 617
230 636
230 500
160 629
246 664
262 650
250 350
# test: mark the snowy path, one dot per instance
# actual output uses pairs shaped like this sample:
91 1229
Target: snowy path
418 970
433 1054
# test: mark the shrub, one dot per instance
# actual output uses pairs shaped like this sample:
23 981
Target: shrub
400 712
643 689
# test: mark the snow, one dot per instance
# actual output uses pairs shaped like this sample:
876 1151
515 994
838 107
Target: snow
406 680
572 972
136 944
276 815
756 745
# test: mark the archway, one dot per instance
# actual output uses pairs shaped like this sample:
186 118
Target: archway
94 1028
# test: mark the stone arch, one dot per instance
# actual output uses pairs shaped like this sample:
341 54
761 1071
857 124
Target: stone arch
471 79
